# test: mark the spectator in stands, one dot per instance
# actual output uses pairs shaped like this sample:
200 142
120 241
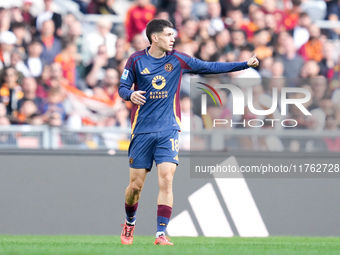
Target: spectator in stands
26 14
261 40
319 87
258 22
121 66
93 6
27 109
310 69
202 33
235 20
101 7
268 7
16 15
43 82
183 12
242 5
333 14
33 62
121 53
139 42
331 124
10 91
18 64
279 41
54 112
207 51
29 88
291 61
137 17
162 14
278 69
49 14
96 70
300 32
266 66
223 39
66 58
327 106
271 25
57 79
312 49
107 8
272 68
19 31
188 31
7 43
214 15
51 44
83 4
68 20
102 36
5 20
109 84
74 34
238 40
328 62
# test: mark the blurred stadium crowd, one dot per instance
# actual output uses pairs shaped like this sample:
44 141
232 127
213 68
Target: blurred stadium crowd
56 71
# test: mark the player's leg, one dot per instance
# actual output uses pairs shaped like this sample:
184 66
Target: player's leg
140 159
165 200
133 192
166 157
132 195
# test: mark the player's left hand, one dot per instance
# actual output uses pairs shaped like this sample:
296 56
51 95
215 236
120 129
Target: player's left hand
253 61
138 98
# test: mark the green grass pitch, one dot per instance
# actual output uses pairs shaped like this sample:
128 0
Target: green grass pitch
102 245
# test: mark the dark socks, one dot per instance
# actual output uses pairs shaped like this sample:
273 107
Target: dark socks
130 211
163 217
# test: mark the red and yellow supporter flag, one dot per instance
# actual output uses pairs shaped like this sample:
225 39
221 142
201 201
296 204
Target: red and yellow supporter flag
91 109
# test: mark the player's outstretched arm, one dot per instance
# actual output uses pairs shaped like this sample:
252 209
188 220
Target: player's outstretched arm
197 66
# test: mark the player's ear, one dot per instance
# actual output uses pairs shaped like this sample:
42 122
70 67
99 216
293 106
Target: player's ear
154 38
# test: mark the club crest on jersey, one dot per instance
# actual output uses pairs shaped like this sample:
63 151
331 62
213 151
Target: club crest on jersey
125 74
160 80
169 67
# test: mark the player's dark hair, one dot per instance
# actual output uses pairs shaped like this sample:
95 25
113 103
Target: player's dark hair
156 26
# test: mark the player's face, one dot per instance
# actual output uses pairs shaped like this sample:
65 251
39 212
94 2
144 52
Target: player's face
166 39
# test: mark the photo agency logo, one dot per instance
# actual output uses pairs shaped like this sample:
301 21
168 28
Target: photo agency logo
244 104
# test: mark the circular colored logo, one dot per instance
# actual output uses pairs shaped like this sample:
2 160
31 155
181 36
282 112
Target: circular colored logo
158 82
169 67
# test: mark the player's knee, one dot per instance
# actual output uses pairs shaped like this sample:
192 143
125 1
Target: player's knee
166 183
136 188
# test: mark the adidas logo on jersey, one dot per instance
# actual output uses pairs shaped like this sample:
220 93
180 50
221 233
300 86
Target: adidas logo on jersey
145 71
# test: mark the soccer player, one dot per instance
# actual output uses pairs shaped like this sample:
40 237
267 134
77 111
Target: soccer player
156 74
